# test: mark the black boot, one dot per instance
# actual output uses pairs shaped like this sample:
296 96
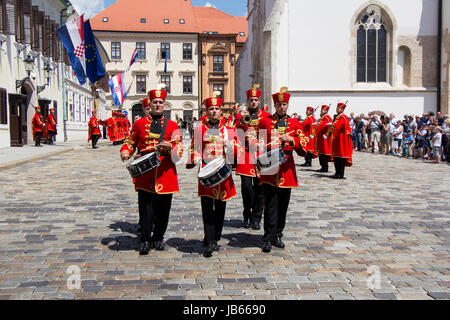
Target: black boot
267 247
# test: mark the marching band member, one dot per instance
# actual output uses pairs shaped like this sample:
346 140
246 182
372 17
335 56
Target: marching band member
155 188
94 130
252 194
308 128
50 126
341 143
323 145
37 126
277 185
213 140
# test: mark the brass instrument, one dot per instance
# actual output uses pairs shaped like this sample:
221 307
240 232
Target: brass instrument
246 118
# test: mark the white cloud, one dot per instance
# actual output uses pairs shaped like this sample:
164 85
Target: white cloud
209 5
89 7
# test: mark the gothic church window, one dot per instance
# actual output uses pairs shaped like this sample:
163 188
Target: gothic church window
371 47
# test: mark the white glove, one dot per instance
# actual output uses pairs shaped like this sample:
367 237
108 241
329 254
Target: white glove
325 137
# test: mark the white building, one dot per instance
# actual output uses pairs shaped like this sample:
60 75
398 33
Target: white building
378 55
28 31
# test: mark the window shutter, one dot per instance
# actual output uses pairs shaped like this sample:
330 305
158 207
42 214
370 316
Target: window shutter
3 107
27 21
35 28
10 18
20 30
48 37
2 16
41 18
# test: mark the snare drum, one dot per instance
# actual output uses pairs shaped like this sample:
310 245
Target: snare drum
214 173
143 164
271 159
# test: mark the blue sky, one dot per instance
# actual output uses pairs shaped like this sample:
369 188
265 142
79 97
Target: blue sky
91 8
233 7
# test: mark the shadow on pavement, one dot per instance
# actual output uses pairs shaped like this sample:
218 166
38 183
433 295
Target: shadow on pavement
233 223
321 175
123 243
187 246
243 240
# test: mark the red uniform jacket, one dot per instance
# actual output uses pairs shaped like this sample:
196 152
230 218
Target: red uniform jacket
286 176
210 148
163 179
37 124
111 129
309 124
341 143
127 127
94 128
323 146
50 125
247 156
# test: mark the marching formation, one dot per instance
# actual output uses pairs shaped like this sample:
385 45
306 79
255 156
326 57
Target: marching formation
260 146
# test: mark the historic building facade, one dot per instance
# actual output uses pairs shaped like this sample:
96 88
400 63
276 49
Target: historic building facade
378 55
178 46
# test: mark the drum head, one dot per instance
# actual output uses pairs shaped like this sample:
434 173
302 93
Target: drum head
211 168
143 158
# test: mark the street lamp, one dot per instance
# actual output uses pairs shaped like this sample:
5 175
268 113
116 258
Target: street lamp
29 63
47 70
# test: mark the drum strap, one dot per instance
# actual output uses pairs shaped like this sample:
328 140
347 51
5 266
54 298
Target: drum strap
163 132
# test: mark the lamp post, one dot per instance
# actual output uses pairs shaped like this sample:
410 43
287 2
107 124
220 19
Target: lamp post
29 64
47 72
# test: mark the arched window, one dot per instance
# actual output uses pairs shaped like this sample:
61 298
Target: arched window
371 44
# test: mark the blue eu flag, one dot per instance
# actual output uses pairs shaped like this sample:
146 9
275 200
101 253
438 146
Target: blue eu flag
94 66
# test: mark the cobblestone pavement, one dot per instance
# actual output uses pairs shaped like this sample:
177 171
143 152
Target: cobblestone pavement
390 218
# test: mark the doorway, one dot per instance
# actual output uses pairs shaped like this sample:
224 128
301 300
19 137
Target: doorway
17 119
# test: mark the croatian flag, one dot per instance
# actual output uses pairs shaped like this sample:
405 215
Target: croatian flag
118 90
72 37
134 57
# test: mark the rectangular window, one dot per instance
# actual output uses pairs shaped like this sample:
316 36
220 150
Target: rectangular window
166 80
219 87
115 50
218 63
2 16
187 51
9 23
3 109
187 84
165 51
141 84
140 46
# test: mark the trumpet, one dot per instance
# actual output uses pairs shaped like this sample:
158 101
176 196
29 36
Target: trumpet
245 118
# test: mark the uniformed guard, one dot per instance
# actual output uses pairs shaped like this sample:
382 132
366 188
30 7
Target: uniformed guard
341 143
323 143
37 126
308 128
284 133
50 126
246 124
94 130
155 188
213 140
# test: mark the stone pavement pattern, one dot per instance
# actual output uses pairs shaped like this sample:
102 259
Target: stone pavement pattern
80 209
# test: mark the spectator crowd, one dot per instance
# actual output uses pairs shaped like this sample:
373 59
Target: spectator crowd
419 137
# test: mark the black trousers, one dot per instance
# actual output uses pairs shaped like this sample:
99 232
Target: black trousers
154 214
51 134
37 138
95 138
323 160
308 158
276 202
213 214
253 198
339 165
